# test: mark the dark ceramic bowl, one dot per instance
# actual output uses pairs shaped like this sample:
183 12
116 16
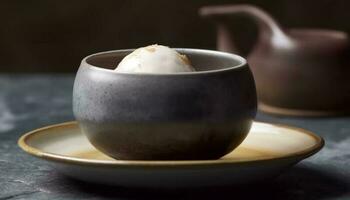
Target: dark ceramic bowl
194 115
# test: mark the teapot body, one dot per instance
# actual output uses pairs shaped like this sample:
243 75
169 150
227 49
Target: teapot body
307 76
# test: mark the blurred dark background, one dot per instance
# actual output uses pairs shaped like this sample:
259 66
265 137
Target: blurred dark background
53 36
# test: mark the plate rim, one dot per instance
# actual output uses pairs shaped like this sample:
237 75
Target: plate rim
167 163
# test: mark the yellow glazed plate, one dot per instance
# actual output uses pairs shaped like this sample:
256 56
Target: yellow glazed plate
267 150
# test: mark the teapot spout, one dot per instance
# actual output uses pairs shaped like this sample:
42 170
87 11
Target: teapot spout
268 27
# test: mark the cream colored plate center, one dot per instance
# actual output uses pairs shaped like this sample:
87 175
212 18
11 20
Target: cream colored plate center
264 141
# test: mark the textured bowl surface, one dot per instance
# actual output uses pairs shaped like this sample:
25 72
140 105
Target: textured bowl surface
194 115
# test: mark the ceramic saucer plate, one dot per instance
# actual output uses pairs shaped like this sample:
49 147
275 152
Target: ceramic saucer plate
274 110
266 151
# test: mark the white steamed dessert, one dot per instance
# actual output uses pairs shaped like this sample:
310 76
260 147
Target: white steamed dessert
155 59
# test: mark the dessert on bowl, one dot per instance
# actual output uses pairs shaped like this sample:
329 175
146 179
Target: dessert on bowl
155 59
164 104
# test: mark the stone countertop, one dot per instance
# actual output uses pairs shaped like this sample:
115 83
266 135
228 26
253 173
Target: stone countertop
31 101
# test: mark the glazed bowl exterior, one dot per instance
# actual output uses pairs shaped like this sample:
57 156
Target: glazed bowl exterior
194 115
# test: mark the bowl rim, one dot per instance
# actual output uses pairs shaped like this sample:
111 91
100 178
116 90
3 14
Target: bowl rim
243 62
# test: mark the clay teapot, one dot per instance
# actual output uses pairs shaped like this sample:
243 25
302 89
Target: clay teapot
301 72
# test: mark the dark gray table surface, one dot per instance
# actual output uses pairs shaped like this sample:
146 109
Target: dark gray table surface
31 101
